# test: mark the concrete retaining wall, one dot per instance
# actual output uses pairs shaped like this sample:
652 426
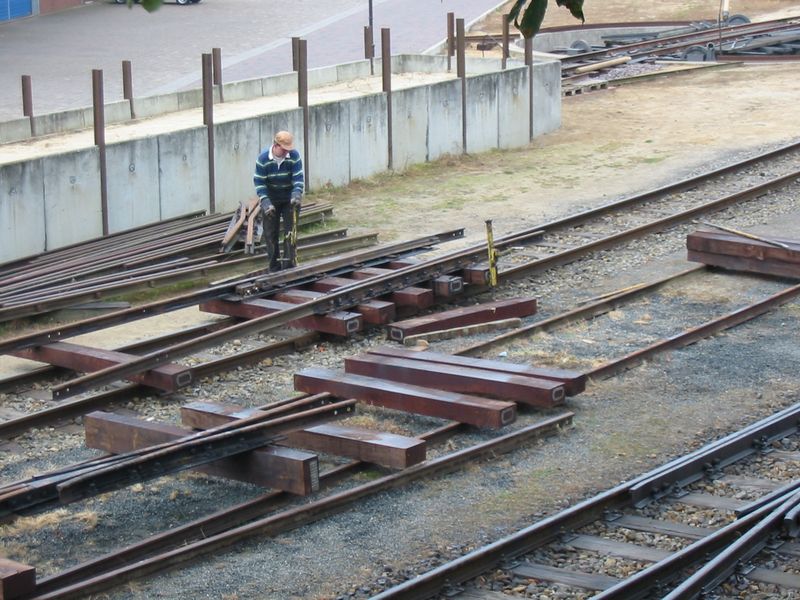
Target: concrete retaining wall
54 200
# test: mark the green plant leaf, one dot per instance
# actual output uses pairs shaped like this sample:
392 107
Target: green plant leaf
151 5
575 7
532 18
512 16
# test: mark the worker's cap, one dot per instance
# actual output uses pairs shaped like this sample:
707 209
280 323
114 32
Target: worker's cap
285 140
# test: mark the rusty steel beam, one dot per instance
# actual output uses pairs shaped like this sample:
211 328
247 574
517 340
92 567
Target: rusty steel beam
339 323
374 312
376 447
17 580
540 393
472 410
573 381
781 250
272 466
414 297
748 265
467 315
167 377
447 286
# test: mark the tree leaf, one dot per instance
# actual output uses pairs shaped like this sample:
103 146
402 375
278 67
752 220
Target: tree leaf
532 19
575 7
512 16
151 5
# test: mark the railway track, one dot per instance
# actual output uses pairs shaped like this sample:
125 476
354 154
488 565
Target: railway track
724 515
232 531
545 247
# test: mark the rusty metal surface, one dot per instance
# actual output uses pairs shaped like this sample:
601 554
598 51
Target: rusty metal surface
532 391
472 410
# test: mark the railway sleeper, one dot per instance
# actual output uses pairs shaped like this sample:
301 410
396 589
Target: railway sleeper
367 445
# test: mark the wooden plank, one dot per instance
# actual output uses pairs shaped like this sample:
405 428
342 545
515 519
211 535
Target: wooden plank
339 323
710 501
540 393
85 359
465 315
574 382
473 410
775 577
17 580
587 581
374 312
376 447
671 528
605 547
271 466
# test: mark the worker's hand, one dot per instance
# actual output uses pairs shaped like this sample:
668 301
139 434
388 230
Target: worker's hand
296 202
269 211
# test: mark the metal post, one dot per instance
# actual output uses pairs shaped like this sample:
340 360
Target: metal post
529 62
127 85
386 64
216 55
369 49
100 141
451 38
27 101
462 74
302 99
208 121
506 41
295 52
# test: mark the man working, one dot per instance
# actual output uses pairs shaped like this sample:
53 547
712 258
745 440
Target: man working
279 185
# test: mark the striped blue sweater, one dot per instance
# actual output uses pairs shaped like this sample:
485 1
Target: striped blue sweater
279 183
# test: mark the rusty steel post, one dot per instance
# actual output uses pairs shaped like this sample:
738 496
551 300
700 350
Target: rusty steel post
369 48
208 121
27 101
386 64
216 56
295 54
529 63
302 99
506 41
451 38
462 75
127 85
100 141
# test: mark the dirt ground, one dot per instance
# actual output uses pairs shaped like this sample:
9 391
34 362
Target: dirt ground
611 143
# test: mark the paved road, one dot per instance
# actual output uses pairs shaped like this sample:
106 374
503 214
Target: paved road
60 50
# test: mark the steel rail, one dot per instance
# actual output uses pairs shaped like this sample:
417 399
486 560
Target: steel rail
550 528
698 333
660 45
311 270
308 513
111 238
571 254
119 281
78 407
587 311
344 297
665 190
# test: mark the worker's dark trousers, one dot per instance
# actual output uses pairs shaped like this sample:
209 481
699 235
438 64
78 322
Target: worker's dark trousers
283 211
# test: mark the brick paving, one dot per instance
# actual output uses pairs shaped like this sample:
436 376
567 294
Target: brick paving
60 50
